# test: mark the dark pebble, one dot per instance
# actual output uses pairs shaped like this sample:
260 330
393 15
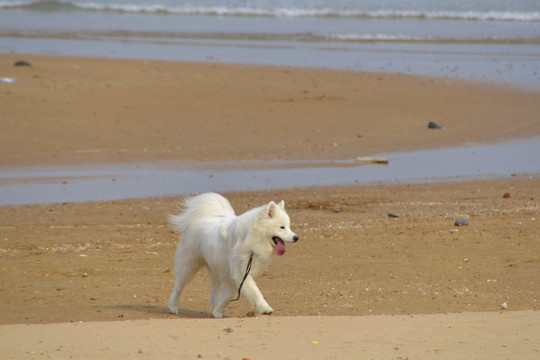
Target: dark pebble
433 125
393 215
22 63
461 222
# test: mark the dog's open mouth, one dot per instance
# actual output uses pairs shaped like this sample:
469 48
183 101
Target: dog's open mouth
280 246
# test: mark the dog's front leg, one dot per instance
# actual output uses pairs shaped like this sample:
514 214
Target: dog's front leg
255 297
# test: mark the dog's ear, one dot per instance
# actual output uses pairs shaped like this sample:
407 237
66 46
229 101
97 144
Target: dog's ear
282 204
271 209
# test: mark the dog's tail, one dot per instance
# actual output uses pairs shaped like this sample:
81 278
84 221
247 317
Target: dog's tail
200 207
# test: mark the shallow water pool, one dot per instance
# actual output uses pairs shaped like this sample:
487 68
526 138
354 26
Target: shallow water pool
53 184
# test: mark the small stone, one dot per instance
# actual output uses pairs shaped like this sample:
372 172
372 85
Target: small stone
228 330
392 215
22 63
461 222
506 195
504 306
432 125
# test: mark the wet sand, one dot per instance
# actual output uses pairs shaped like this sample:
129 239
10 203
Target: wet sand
78 110
108 263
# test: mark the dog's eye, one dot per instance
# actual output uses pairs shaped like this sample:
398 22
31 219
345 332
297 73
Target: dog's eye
282 227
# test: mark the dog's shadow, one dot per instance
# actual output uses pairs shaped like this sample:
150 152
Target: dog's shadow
164 311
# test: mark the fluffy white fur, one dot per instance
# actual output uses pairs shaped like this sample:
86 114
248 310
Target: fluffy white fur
213 236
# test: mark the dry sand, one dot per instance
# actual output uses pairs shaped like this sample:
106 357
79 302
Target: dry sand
108 264
492 335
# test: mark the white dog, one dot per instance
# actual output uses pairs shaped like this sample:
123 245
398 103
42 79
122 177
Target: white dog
236 249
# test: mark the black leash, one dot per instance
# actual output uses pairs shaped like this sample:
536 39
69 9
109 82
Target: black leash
248 269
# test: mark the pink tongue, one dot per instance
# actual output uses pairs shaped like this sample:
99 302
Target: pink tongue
280 248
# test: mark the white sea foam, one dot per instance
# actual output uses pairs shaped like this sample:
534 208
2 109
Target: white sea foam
284 12
371 37
322 12
398 37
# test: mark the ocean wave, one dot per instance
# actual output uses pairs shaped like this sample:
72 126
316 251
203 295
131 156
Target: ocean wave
282 12
355 37
259 38
370 37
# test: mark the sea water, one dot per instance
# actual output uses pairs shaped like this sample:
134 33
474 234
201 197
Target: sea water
48 184
480 40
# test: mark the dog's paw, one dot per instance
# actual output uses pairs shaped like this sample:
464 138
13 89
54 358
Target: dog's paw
173 309
266 311
217 315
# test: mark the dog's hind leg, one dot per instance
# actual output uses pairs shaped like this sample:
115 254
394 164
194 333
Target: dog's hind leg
185 269
255 297
222 291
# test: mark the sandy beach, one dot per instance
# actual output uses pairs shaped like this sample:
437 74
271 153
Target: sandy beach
91 279
75 110
442 336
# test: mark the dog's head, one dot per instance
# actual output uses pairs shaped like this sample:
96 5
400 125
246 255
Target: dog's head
280 226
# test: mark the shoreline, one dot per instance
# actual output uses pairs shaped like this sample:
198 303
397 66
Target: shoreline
491 61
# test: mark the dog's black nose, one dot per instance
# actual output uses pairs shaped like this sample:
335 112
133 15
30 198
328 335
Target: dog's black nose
295 238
